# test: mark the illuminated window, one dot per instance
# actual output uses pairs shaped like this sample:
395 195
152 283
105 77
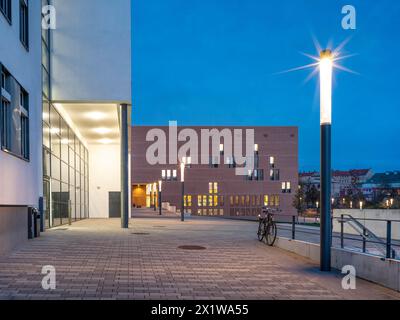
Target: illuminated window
168 174
163 174
266 203
231 200
204 201
286 187
215 187
199 201
174 174
274 174
210 187
272 161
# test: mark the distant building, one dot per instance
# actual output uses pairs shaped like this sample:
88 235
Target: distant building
388 182
214 189
342 181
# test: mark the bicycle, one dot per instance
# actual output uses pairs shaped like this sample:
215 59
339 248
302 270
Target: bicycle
267 229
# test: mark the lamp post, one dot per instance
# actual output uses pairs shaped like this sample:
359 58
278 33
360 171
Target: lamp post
159 197
326 66
155 196
182 165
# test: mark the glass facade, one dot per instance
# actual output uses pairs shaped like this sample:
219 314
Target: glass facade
65 158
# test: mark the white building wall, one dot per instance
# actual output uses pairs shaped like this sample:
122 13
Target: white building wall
104 177
91 51
21 181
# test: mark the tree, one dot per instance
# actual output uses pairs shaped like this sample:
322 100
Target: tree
311 195
299 200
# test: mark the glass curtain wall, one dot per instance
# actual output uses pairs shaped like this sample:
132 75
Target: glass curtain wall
65 158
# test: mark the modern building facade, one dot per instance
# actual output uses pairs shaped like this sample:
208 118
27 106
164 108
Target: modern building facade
215 188
65 111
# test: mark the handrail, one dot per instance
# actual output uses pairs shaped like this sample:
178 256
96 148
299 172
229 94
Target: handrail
367 236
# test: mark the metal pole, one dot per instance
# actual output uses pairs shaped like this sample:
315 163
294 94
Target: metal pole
342 231
123 118
293 227
159 203
326 229
183 202
388 239
364 240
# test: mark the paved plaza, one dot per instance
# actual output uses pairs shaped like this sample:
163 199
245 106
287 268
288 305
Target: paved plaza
96 259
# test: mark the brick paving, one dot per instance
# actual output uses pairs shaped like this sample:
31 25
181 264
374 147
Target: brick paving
95 259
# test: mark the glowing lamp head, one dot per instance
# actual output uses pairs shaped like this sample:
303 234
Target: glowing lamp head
182 171
325 67
159 185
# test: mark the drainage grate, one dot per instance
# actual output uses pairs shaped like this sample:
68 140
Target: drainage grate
192 248
140 233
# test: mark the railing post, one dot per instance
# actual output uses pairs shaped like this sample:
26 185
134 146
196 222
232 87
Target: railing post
364 241
293 227
389 239
342 231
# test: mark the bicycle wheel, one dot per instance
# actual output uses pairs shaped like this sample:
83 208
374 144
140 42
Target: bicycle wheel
270 235
261 231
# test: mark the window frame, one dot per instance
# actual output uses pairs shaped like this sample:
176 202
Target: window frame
7 13
24 23
24 152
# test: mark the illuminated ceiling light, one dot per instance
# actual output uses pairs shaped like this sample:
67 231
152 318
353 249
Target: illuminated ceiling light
55 130
95 115
102 130
105 141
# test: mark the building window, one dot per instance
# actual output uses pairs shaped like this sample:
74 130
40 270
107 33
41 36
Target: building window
14 115
266 200
272 162
286 187
213 187
213 162
163 174
274 174
5 8
230 161
24 23
174 175
168 174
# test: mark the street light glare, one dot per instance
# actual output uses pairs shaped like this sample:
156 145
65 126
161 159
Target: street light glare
326 67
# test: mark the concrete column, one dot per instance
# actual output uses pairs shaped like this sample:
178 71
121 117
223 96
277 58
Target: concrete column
124 126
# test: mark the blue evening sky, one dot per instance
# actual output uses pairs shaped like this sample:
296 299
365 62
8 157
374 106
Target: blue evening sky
215 62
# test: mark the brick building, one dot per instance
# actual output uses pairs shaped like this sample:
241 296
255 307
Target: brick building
215 189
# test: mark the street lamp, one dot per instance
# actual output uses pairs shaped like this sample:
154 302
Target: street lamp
325 68
182 165
155 195
159 196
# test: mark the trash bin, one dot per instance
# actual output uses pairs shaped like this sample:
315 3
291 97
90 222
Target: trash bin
31 223
36 216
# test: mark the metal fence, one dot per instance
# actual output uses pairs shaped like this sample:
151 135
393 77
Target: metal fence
362 238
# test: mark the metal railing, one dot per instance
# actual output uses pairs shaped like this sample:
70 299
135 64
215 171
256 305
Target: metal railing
384 246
